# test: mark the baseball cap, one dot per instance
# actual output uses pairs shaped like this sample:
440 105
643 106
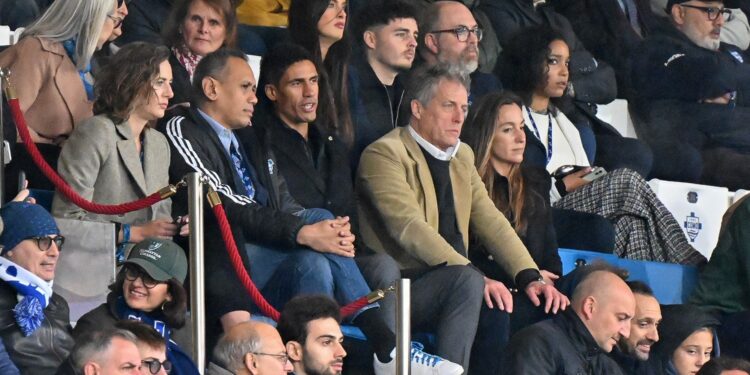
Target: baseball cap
161 259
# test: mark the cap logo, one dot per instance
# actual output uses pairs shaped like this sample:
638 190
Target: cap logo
150 251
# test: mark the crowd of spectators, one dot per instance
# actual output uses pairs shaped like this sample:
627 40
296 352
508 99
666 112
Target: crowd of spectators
454 143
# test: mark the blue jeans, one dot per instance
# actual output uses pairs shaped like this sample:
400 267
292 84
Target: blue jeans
281 274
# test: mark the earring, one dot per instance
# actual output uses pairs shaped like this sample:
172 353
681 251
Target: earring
163 305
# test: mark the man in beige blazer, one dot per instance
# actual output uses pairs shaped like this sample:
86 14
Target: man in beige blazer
420 197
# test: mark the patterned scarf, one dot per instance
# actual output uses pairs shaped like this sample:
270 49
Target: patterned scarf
85 75
187 59
35 294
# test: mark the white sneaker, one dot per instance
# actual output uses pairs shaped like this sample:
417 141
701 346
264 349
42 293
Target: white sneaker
421 363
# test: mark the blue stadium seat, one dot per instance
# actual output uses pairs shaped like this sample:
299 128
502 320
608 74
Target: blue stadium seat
672 283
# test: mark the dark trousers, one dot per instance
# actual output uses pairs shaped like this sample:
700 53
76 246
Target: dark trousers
615 152
733 333
444 301
583 231
493 333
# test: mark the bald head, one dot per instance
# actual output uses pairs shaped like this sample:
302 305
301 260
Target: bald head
605 305
238 350
444 45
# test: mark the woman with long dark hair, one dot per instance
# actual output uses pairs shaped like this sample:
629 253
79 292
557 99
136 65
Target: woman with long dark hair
644 228
495 131
320 26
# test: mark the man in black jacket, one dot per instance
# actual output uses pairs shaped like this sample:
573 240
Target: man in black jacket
578 340
387 32
287 250
693 98
633 352
312 164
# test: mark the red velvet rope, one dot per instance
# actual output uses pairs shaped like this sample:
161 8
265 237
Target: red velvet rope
218 209
239 268
63 186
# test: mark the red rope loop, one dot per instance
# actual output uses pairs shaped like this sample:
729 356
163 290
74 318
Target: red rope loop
247 282
63 186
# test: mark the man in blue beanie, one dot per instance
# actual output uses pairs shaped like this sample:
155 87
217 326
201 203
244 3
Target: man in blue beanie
35 320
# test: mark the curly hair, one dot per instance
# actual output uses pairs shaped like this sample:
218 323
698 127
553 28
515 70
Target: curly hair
174 311
524 60
127 77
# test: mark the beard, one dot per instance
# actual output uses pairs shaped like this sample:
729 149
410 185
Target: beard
466 64
312 368
632 351
703 41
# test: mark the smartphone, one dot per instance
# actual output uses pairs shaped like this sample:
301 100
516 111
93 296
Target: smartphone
596 173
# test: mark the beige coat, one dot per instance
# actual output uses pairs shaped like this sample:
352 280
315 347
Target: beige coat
101 163
398 209
49 88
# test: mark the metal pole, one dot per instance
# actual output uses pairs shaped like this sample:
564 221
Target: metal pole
403 327
2 144
197 283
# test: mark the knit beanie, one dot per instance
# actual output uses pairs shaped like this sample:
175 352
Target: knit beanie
24 220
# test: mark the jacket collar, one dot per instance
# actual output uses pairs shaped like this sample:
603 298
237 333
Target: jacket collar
368 78
431 149
460 174
131 157
290 143
579 335
52 46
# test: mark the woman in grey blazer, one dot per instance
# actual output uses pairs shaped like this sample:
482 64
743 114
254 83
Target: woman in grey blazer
116 156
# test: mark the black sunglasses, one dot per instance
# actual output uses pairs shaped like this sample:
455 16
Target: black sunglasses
712 12
133 272
45 242
154 365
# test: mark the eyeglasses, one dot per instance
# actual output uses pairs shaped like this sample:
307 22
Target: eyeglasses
116 20
283 358
133 272
462 32
713 12
120 2
45 242
154 365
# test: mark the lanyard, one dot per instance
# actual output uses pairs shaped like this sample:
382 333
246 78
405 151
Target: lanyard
549 133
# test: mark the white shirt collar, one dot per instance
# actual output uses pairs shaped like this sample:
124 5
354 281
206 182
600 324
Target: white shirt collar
437 153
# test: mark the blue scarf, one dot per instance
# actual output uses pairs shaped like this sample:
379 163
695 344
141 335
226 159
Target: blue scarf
35 294
70 49
181 362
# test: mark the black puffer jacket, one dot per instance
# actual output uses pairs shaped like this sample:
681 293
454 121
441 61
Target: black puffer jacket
44 350
562 345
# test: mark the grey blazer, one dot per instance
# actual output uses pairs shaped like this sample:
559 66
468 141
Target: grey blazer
101 163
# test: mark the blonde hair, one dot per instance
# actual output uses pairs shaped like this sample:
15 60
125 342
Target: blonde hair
81 20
